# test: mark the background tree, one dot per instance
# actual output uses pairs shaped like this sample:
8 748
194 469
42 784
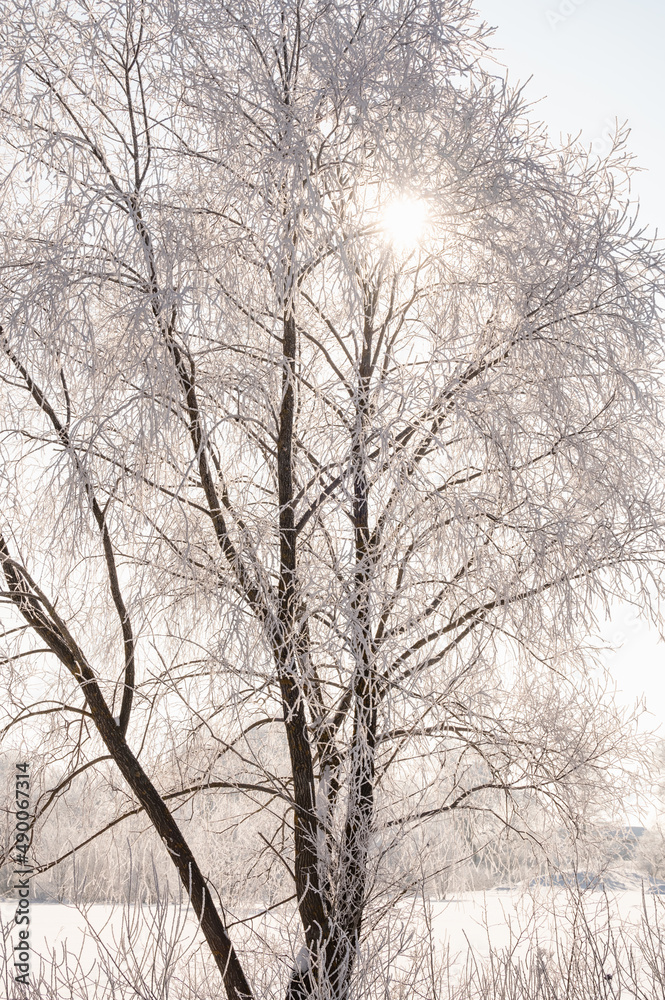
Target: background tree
330 413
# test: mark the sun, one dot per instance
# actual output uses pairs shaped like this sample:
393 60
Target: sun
405 222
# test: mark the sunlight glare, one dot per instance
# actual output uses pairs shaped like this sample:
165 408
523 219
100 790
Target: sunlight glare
404 221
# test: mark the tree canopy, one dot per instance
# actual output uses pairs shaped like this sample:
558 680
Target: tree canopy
330 409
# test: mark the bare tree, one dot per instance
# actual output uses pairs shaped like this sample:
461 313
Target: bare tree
331 410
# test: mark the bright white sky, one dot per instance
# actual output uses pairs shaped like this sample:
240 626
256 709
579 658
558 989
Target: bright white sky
601 61
593 61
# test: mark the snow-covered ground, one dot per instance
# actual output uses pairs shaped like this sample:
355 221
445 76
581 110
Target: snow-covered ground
477 922
464 925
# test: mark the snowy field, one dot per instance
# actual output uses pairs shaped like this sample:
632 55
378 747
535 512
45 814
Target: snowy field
103 941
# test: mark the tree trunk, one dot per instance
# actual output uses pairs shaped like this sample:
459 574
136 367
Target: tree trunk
40 614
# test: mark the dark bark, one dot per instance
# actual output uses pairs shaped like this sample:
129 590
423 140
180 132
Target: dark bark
42 617
310 899
333 963
361 790
62 431
325 949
